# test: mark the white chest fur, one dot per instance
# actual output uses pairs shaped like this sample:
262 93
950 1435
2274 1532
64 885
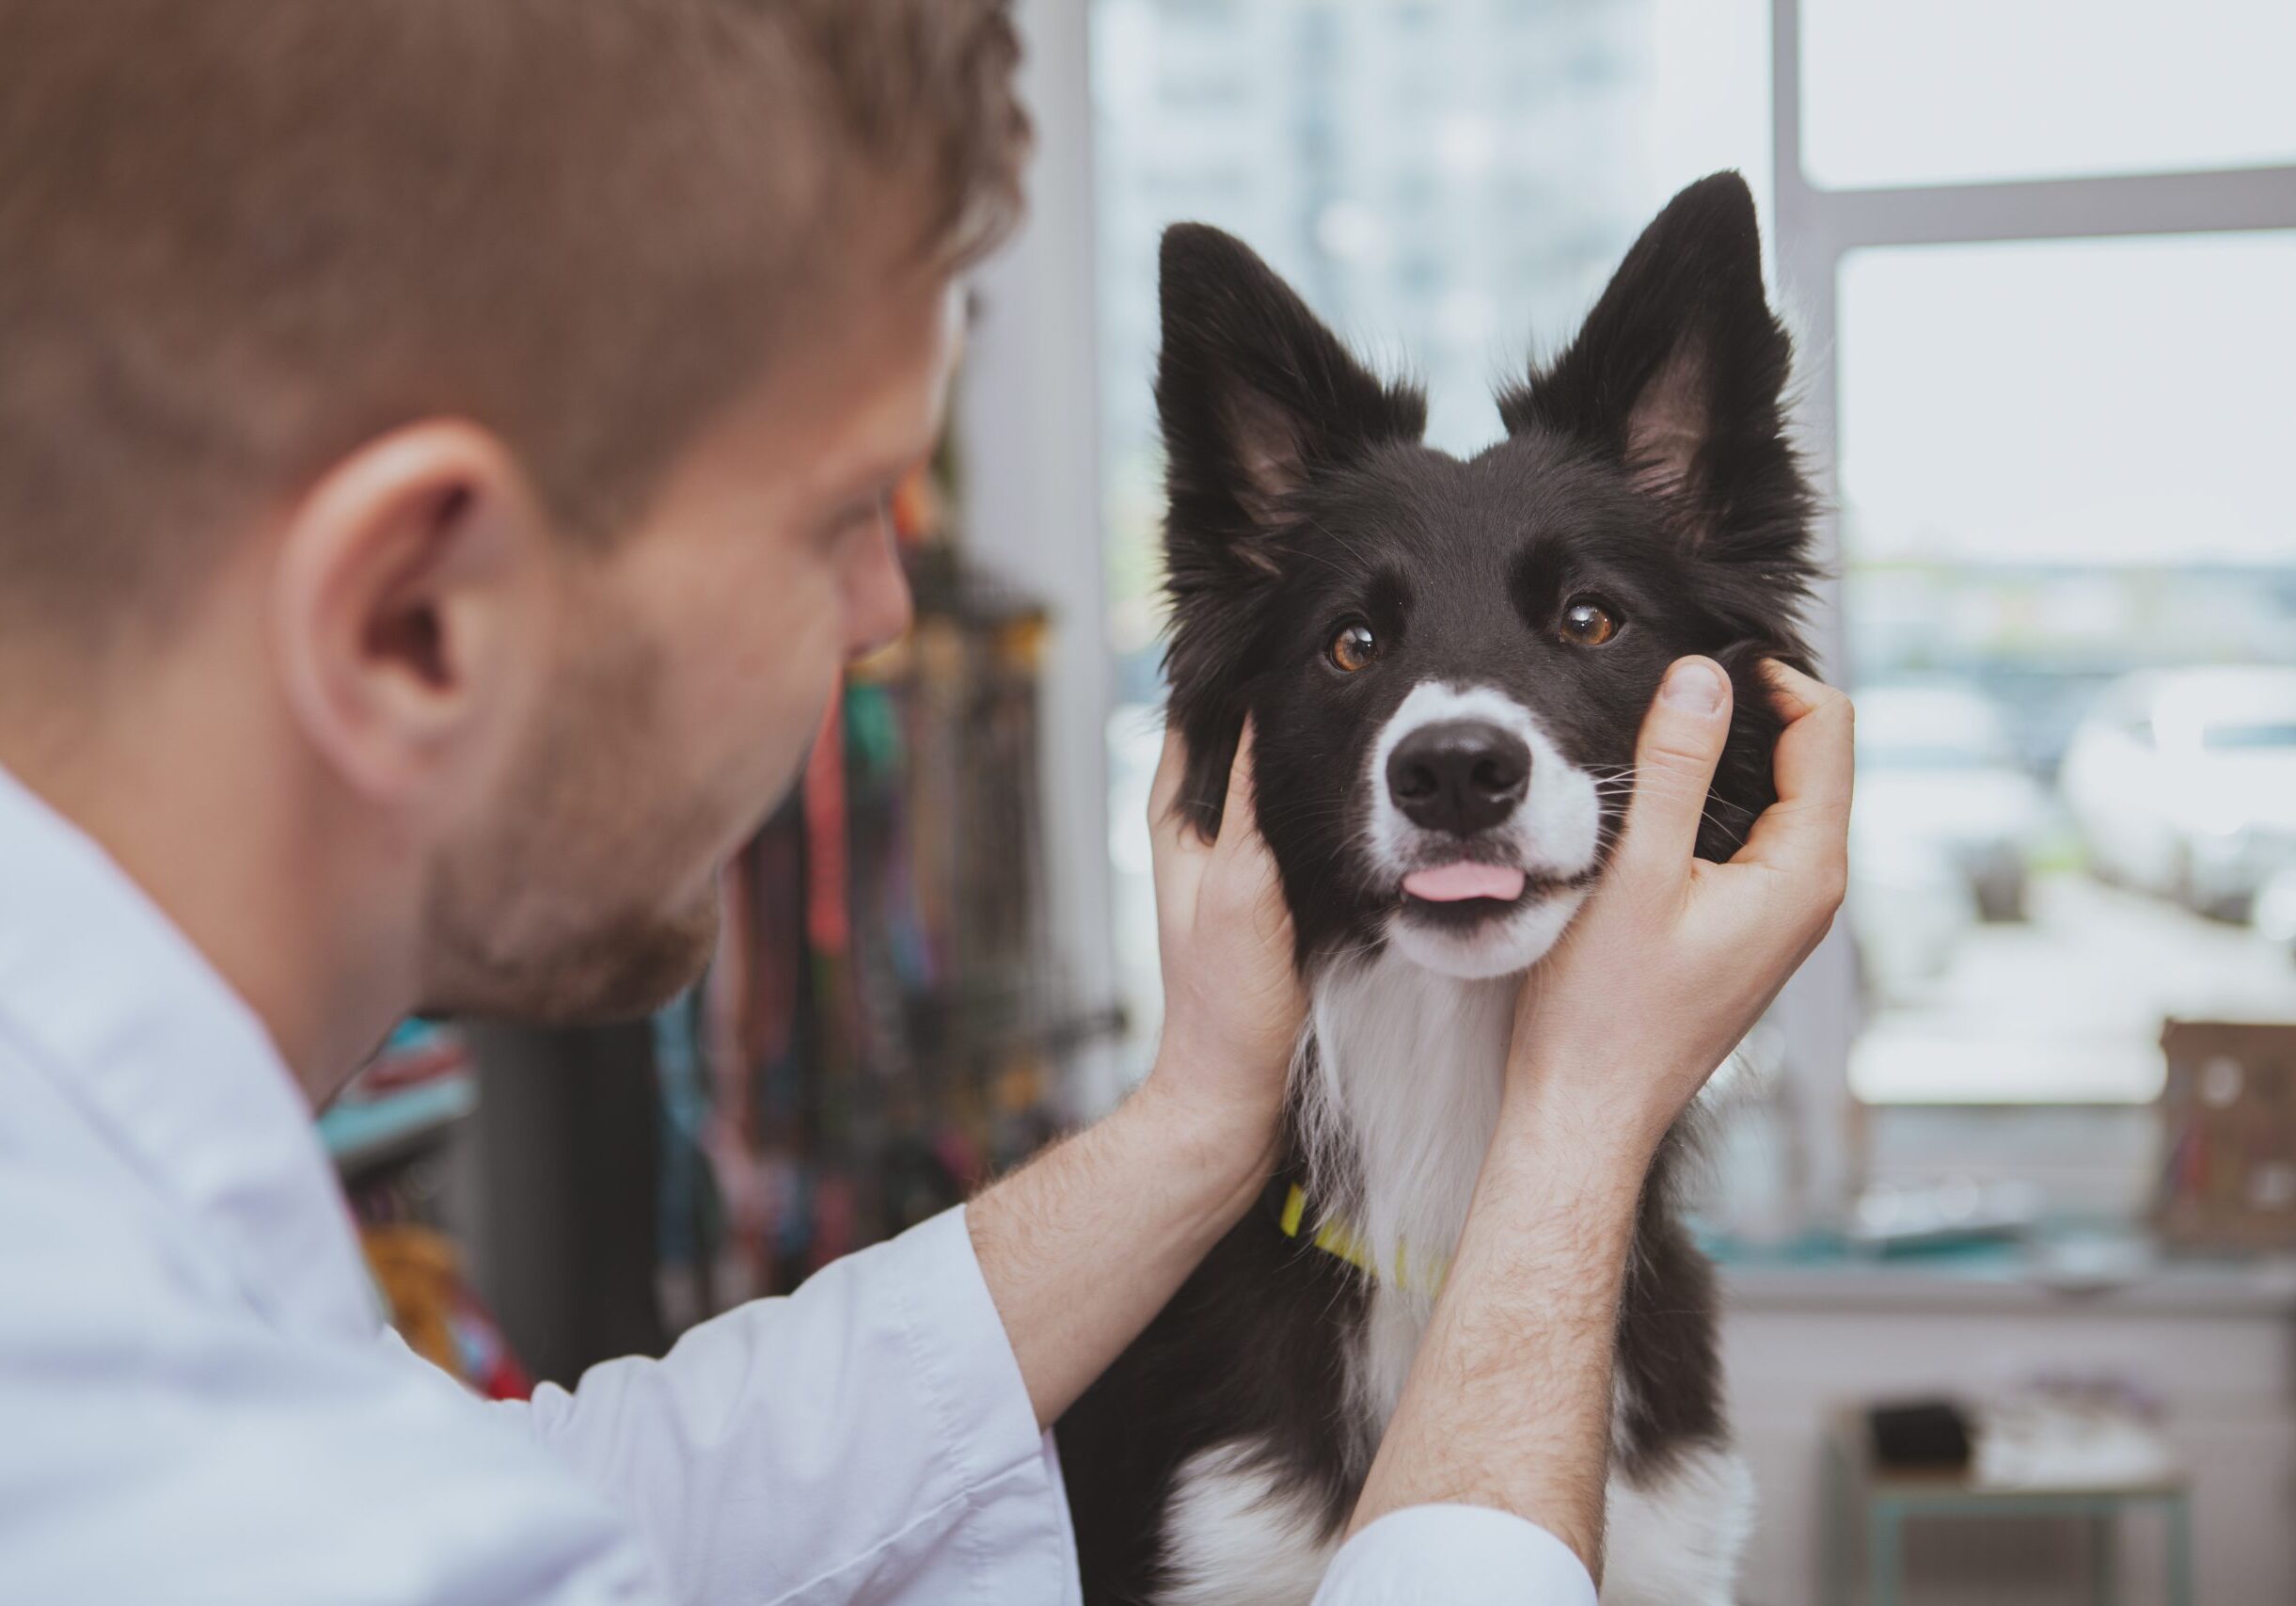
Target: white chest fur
1401 1100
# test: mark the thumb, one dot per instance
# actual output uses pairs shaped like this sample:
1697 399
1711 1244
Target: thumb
1674 759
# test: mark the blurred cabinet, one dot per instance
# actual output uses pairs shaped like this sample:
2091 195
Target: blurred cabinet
2216 1346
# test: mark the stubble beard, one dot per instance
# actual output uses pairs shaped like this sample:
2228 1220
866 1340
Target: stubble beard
567 908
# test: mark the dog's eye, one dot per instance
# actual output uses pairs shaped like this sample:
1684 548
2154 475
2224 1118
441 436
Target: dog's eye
1354 647
1587 623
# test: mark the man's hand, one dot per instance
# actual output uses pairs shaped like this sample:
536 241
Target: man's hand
1675 957
1163 1177
1232 1003
1508 1402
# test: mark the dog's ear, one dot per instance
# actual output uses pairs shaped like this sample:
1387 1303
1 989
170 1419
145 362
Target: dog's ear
1255 395
1679 370
1678 376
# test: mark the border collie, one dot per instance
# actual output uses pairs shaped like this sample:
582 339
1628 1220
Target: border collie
1447 663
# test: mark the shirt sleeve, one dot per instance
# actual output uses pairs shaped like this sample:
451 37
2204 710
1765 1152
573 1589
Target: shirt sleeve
867 1439
159 1443
1455 1555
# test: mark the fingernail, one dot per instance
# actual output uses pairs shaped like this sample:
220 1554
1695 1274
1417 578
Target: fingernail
1695 686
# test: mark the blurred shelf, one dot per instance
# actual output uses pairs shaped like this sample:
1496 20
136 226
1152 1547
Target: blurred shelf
365 1134
2125 1273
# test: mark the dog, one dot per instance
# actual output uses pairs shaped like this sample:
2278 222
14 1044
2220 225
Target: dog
1447 664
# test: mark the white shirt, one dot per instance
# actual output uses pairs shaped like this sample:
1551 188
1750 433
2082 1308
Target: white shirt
198 1401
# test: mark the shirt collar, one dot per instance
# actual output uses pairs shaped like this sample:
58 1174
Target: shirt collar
142 1034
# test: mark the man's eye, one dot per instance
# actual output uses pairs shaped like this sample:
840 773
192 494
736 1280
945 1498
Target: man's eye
871 510
1354 647
1588 622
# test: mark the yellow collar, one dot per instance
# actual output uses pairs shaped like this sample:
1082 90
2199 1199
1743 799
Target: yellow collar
1337 1238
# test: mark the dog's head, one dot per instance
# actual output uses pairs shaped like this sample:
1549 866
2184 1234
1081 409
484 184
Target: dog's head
1446 663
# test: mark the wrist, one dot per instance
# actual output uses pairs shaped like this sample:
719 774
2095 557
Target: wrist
1219 1150
1613 1109
1156 1185
1582 1143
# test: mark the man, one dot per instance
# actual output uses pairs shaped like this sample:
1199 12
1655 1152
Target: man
443 450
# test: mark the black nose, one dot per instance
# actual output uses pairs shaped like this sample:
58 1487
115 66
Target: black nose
1459 775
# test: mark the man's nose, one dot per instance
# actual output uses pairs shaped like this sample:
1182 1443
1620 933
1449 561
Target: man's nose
878 605
1458 775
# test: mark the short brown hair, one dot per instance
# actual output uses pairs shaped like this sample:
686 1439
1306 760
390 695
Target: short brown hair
237 238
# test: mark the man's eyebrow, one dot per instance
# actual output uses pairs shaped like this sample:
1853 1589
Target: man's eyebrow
889 466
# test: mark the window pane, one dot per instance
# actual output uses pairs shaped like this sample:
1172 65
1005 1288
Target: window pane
2072 610
1449 182
1959 90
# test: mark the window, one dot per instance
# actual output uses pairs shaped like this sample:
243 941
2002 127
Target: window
2057 468
1965 91
2062 528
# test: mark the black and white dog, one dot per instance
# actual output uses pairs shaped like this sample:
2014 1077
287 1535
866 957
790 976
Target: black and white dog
1447 664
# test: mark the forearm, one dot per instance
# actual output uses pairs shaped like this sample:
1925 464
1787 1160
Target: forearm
1508 1402
1084 1245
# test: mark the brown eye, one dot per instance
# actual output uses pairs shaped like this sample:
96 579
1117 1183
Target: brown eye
1354 648
1588 624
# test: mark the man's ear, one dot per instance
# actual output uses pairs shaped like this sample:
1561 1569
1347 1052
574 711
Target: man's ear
1679 369
409 612
1255 394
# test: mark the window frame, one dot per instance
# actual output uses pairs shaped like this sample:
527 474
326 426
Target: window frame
1813 229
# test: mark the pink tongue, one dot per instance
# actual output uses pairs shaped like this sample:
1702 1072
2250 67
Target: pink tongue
1448 883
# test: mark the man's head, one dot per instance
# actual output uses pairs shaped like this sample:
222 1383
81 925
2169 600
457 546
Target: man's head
498 403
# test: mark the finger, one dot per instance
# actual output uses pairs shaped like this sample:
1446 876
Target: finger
1176 851
1814 765
1164 791
1674 759
1240 816
1244 867
1792 692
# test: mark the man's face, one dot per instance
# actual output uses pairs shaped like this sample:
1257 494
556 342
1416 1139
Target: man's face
692 668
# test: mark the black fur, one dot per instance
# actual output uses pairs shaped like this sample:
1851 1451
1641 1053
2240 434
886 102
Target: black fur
1648 467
